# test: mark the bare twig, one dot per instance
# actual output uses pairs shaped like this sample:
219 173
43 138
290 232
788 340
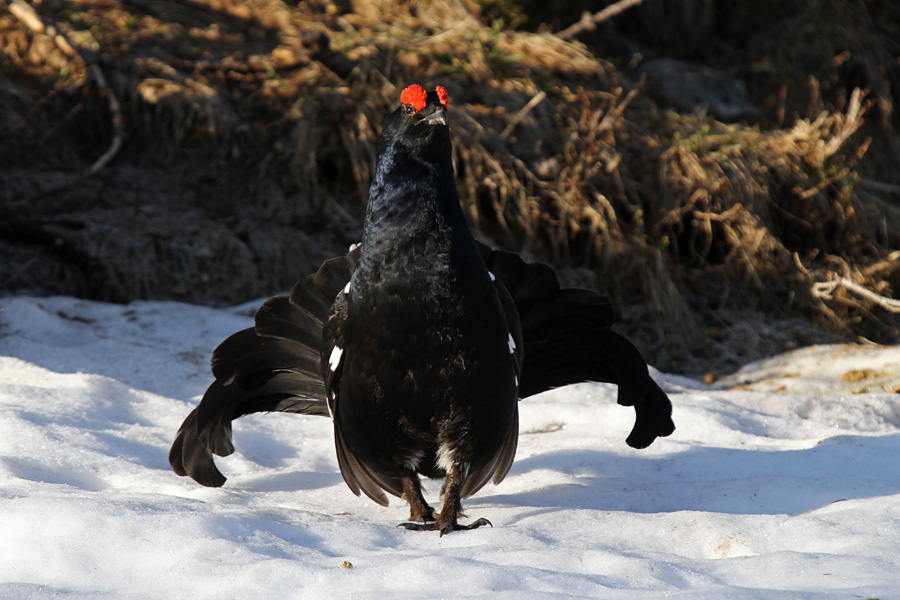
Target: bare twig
615 113
27 15
840 175
522 113
118 125
73 112
825 290
850 122
589 22
800 264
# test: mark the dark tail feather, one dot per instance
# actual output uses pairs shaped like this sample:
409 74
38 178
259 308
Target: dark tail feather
207 429
280 318
275 366
283 391
189 457
246 353
568 339
653 418
334 274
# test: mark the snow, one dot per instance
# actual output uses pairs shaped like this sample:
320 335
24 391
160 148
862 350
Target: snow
782 481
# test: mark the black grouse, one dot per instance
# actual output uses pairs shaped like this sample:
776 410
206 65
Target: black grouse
418 343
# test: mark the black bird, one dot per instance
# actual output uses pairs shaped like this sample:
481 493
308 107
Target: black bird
418 343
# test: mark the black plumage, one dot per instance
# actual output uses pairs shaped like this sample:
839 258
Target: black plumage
418 343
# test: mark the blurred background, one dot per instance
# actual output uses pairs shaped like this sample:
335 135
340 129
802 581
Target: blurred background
727 172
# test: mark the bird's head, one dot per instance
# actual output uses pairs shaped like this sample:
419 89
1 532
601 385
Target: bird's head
419 127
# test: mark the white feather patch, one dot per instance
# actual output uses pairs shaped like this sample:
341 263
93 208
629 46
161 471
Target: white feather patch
412 463
444 458
347 288
512 344
335 359
492 276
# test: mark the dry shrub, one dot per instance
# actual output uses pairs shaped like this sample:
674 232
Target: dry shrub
171 111
780 210
843 45
557 153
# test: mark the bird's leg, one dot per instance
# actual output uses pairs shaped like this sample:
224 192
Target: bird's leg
419 510
451 506
451 509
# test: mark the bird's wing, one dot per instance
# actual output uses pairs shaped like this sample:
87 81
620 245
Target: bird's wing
359 478
568 339
274 366
498 465
357 475
332 365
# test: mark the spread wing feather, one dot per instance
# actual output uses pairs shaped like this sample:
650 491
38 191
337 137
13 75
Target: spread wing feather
562 336
568 339
274 366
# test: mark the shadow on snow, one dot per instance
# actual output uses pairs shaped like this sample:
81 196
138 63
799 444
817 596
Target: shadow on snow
721 480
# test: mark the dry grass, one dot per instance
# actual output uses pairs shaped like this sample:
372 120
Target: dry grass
677 216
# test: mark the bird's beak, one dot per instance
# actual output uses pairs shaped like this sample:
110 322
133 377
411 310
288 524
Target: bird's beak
438 117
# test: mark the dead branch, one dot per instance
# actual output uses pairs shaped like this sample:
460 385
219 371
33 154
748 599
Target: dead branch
73 112
118 124
39 105
839 176
614 114
589 22
849 122
825 290
522 113
27 15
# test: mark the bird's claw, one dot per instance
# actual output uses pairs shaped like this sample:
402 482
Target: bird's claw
434 526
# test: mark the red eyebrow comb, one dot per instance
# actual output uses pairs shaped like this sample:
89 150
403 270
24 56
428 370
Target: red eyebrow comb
415 96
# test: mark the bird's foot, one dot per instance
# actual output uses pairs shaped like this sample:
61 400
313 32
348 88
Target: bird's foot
445 529
425 516
419 510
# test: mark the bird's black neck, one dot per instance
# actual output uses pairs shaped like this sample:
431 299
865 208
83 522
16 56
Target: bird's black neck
410 201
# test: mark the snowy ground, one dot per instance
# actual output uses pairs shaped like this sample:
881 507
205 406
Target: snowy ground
781 481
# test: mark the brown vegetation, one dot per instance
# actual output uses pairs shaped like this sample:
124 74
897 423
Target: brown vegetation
247 146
